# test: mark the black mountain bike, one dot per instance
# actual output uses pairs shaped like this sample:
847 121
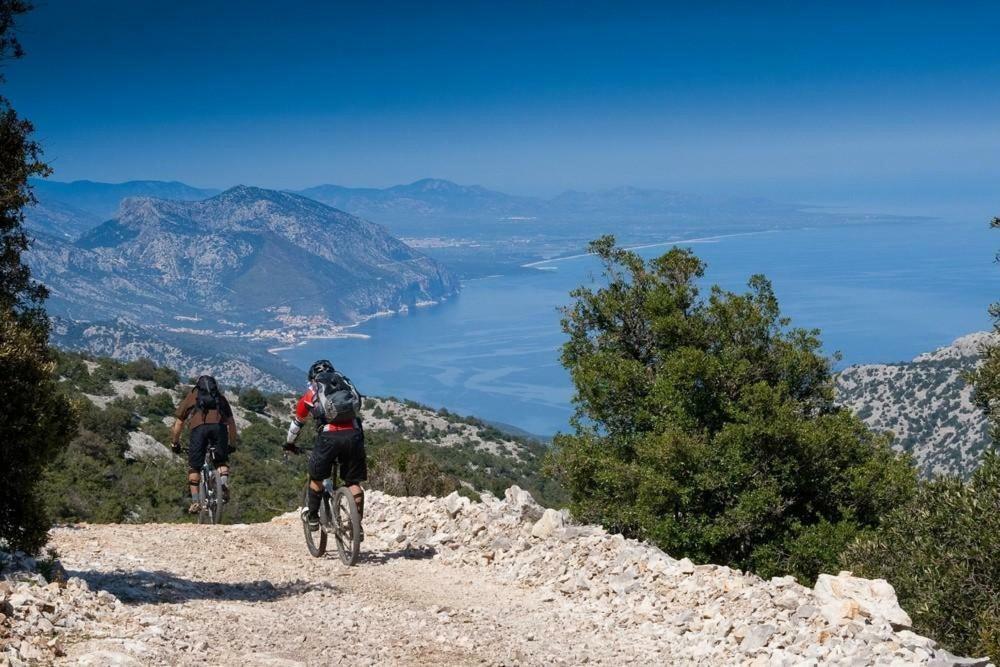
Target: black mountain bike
338 516
210 490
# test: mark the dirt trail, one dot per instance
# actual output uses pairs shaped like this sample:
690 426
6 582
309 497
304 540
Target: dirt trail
443 582
252 595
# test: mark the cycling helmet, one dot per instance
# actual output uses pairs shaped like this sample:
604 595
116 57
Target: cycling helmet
321 366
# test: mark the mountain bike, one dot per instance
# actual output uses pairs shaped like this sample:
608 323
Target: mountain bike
338 516
210 490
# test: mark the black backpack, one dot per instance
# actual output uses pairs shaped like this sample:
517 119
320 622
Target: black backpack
335 398
208 394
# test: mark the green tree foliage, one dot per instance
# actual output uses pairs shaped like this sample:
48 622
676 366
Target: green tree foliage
940 553
37 421
253 399
708 427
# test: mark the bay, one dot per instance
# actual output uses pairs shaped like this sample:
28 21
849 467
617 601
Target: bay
879 293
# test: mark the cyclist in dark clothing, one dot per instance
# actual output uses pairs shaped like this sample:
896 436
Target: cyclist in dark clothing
340 439
212 422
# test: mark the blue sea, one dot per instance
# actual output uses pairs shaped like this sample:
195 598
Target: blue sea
879 293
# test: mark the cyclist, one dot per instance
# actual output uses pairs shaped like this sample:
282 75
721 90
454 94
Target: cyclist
335 405
212 422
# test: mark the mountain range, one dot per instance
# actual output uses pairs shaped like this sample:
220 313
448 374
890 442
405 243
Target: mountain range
439 201
241 270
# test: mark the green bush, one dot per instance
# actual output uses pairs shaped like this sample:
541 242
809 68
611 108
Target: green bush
166 377
253 399
708 426
407 471
940 552
141 369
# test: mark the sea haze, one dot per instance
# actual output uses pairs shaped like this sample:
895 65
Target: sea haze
880 292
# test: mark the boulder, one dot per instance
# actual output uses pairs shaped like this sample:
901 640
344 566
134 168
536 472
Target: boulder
551 521
143 447
875 598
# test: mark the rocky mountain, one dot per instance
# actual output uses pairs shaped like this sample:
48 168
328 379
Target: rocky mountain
926 403
440 581
101 200
248 267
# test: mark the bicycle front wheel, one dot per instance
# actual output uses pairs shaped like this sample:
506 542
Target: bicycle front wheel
347 523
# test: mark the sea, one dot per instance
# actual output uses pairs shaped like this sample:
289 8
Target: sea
880 292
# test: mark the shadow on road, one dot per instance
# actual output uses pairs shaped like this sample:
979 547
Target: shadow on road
159 587
383 557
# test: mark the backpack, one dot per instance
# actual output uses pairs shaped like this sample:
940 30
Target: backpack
208 394
334 398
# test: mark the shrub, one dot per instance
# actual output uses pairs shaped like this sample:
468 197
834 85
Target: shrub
940 553
708 426
166 377
253 399
141 369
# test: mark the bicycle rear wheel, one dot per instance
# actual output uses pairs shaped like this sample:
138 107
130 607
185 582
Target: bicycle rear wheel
315 542
216 505
347 523
204 515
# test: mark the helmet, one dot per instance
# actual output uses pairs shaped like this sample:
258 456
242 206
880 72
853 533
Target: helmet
321 366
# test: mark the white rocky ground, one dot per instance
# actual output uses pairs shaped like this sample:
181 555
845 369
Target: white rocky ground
926 403
441 581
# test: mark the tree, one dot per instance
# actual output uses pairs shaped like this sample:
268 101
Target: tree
36 421
708 427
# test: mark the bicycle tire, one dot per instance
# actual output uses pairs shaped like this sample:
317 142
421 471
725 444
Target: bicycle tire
347 522
216 505
317 547
204 515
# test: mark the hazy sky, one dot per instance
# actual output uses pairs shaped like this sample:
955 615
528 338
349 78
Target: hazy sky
896 103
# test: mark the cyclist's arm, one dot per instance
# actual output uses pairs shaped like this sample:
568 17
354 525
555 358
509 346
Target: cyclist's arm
299 417
229 420
181 415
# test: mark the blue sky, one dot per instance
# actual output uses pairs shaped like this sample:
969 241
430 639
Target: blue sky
889 104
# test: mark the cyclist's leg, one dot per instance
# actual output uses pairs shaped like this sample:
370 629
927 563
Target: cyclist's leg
196 459
220 436
354 468
320 466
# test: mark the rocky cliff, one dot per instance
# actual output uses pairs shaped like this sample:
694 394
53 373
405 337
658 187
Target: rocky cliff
926 403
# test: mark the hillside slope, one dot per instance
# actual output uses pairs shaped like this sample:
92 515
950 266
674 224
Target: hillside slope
441 581
926 403
227 277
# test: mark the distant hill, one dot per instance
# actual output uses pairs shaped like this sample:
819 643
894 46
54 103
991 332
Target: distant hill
247 267
102 199
439 198
59 219
429 197
926 403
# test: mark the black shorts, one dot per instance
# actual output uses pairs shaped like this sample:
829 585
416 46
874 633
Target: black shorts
201 436
344 447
